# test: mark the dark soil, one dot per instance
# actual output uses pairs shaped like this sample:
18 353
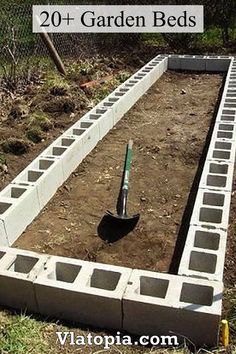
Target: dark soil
169 126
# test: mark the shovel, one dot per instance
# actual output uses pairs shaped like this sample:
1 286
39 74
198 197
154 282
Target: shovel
115 226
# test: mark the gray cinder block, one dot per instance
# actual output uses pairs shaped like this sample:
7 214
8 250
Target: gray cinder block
85 292
211 209
19 205
18 270
217 175
204 254
45 174
163 304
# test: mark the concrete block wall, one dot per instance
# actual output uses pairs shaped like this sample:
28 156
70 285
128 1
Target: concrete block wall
85 292
105 296
147 297
199 63
212 205
157 304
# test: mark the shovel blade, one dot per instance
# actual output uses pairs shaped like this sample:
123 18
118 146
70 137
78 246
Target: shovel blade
114 227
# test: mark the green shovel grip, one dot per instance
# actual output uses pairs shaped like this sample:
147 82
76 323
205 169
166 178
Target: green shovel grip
128 164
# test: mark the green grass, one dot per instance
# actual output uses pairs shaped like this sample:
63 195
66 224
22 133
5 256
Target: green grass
20 334
40 120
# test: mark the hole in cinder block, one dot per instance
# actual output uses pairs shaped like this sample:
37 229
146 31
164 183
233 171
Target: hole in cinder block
227 118
207 240
218 154
104 279
153 287
58 151
101 111
210 215
203 262
129 85
78 131
218 168
2 254
230 105
65 272
17 192
222 145
23 264
108 104
197 294
14 192
67 141
45 164
213 199
94 116
225 135
226 127
230 101
124 89
33 176
231 95
119 94
228 112
113 99
216 181
85 125
133 81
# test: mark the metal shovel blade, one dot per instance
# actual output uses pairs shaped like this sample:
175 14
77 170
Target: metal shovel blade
113 227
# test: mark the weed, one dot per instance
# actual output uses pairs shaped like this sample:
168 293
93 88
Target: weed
40 120
34 134
56 84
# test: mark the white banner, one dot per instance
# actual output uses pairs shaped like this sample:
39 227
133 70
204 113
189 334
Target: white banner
118 19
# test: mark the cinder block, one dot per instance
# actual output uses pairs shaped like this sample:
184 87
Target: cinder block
88 132
3 235
217 64
82 291
225 131
221 150
18 270
163 304
174 62
19 205
45 173
103 116
211 209
217 176
73 155
193 63
204 254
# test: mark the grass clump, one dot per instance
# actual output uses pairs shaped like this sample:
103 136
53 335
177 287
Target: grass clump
20 334
56 84
40 120
34 134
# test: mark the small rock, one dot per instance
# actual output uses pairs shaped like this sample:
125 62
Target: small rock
183 92
143 199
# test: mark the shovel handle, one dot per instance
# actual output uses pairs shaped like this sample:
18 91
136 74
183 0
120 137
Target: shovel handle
127 165
122 200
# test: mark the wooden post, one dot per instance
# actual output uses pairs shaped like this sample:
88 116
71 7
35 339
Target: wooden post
53 53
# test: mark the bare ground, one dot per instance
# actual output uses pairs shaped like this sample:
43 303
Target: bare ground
169 126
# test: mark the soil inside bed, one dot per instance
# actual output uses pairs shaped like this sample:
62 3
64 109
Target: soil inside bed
169 125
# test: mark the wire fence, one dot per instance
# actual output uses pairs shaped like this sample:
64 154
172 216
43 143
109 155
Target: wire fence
18 41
